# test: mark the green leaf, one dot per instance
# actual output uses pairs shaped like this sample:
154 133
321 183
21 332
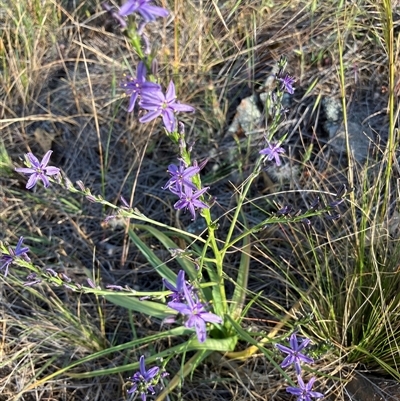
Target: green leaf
149 308
162 269
168 243
239 294
208 346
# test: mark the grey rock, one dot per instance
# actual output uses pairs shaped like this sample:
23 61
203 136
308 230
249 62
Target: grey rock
360 135
247 117
359 138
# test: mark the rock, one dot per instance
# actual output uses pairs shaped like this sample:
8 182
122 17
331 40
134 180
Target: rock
247 117
360 135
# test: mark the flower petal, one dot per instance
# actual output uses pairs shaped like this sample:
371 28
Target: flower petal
170 95
183 107
151 115
46 158
142 366
25 170
33 160
32 181
200 330
169 120
52 170
211 317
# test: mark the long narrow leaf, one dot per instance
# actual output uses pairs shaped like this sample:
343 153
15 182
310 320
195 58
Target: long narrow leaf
239 294
149 308
162 269
168 243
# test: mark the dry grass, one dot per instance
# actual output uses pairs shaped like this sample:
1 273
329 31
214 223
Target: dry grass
60 68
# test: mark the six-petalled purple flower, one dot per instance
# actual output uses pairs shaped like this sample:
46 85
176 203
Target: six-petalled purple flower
287 83
304 391
180 177
38 170
18 252
166 106
190 200
273 152
144 380
134 87
195 313
146 10
294 353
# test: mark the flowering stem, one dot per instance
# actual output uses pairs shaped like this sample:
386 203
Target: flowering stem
219 294
135 41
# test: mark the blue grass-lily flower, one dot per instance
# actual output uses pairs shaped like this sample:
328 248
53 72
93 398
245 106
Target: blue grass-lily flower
134 87
146 10
180 177
304 392
38 170
18 252
294 353
195 313
144 380
177 289
287 83
162 105
190 200
273 152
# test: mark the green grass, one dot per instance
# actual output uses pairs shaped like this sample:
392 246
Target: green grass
337 282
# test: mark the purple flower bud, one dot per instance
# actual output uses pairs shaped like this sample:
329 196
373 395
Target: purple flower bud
81 185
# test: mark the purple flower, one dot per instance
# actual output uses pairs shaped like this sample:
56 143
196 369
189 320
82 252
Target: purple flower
180 177
147 11
144 380
195 313
177 290
287 84
165 105
303 392
134 87
114 14
294 354
38 170
272 152
19 252
189 200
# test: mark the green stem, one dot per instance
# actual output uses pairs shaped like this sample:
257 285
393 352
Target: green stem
238 209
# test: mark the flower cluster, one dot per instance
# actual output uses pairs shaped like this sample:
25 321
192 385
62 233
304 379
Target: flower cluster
144 381
18 252
181 185
296 357
186 302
